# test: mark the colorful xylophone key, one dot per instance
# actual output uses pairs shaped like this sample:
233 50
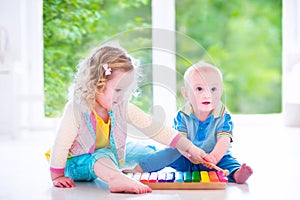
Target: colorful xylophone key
179 177
153 177
183 180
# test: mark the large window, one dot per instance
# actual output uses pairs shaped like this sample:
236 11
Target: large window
242 38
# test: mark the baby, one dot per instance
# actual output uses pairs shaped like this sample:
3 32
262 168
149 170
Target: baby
205 121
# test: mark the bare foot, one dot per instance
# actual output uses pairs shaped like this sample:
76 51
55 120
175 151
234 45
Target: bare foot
241 175
125 184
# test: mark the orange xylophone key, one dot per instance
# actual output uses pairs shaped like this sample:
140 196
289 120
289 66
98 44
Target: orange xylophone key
213 176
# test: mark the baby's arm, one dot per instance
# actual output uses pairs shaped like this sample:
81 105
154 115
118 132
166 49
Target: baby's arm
224 138
66 134
219 150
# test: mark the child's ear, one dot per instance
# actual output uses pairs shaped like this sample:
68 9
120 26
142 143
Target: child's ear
184 93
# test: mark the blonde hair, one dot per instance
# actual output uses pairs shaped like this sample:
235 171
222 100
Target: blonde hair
91 77
201 67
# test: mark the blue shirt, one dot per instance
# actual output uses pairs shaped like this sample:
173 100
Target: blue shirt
204 134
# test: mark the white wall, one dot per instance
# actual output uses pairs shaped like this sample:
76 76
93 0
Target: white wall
21 65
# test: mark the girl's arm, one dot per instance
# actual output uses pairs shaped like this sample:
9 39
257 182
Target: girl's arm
156 130
59 180
66 134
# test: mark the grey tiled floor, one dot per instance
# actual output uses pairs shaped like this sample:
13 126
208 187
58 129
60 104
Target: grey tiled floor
262 141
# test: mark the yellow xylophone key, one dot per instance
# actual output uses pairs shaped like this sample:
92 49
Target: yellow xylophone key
204 177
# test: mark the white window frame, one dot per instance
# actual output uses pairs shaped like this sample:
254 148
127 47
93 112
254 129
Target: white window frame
291 62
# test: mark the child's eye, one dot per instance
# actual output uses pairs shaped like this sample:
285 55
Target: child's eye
213 89
118 90
199 89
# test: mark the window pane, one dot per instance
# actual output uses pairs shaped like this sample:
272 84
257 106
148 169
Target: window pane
73 28
242 38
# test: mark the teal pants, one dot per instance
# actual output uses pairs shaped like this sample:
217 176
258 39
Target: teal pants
81 168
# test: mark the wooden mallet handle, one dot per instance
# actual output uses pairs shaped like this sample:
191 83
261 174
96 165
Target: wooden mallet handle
226 172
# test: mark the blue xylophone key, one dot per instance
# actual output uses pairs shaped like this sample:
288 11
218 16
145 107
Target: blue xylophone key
170 177
187 176
162 177
178 177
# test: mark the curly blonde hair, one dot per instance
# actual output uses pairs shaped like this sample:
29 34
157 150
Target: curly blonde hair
91 78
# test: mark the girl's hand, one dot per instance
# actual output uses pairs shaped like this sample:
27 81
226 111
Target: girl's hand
196 154
63 182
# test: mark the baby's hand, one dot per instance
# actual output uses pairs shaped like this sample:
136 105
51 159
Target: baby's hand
196 155
211 158
63 182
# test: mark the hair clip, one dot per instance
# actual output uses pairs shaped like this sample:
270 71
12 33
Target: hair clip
107 69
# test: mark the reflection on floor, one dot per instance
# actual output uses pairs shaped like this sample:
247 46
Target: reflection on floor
261 141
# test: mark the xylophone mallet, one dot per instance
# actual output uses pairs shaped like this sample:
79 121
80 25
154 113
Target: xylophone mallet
209 164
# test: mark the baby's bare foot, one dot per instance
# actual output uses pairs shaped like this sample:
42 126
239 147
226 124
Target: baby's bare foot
125 184
241 175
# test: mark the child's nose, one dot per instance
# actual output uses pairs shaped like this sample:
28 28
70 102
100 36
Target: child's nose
207 93
120 97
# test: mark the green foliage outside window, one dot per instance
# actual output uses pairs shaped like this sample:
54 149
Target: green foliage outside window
242 38
72 28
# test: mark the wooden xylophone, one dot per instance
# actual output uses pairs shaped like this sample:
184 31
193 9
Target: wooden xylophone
210 180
